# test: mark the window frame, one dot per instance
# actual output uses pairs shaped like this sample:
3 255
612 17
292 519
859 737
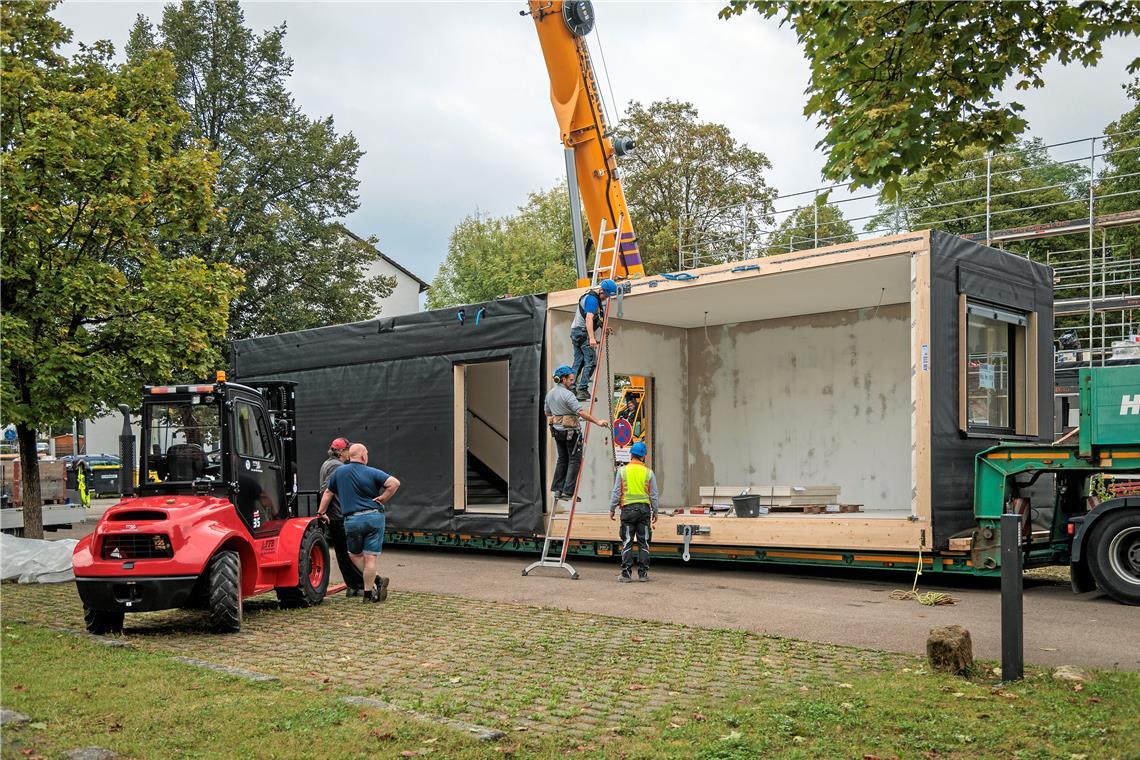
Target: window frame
1022 368
259 429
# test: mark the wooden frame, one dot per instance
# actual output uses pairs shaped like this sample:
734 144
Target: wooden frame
890 532
459 422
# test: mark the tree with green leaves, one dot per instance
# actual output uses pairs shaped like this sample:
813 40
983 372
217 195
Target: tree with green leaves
689 171
98 188
813 226
904 86
284 179
531 251
1118 183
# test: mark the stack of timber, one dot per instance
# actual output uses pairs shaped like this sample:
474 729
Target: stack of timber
805 499
53 482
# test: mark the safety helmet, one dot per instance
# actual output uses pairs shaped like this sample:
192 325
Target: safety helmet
563 371
639 449
609 287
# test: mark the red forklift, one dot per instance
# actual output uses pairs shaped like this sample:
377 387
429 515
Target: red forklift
212 520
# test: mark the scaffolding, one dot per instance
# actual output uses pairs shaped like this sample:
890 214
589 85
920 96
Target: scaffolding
1045 202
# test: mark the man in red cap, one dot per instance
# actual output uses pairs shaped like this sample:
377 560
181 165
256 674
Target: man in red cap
353 579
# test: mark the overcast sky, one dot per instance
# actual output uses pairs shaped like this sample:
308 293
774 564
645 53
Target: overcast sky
450 101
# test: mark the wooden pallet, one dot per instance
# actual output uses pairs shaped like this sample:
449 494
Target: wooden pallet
818 509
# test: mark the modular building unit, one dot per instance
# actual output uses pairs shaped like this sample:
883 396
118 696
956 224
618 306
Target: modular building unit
879 367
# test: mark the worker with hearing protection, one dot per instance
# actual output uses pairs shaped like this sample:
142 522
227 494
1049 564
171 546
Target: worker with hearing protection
563 411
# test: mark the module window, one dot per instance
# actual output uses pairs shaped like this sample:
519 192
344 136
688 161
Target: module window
996 374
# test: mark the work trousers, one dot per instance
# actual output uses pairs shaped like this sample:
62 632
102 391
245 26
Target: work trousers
568 444
635 521
585 359
352 576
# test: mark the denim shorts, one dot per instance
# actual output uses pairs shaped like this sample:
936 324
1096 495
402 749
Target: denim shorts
364 533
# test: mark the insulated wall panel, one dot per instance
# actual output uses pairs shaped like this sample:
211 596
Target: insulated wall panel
390 385
960 267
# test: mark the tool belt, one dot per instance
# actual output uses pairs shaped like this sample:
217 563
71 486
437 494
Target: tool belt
566 420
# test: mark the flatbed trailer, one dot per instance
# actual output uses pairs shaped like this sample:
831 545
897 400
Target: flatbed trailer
882 367
53 516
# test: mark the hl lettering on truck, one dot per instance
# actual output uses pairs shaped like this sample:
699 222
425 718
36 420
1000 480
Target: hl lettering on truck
1130 404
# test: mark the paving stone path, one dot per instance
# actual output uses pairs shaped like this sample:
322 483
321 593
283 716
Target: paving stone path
506 666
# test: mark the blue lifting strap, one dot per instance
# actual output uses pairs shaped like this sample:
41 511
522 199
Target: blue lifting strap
682 276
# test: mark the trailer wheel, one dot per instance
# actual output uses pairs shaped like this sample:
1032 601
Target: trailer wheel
100 622
225 592
1114 556
312 572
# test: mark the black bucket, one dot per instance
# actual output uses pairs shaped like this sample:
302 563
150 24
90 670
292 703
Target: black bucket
746 506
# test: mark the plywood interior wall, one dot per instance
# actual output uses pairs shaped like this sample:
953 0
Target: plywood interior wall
635 348
813 399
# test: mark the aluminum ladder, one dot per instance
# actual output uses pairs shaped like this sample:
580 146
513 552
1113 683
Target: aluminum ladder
613 251
555 548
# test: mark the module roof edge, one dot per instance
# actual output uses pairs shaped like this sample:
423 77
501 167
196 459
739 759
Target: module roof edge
563 298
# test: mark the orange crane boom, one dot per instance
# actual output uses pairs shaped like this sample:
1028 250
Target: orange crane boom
574 93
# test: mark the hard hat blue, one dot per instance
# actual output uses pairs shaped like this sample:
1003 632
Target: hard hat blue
639 449
609 287
563 371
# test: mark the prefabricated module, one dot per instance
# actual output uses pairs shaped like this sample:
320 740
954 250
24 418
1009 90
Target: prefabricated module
866 378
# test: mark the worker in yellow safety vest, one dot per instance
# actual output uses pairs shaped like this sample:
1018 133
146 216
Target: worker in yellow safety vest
82 484
635 492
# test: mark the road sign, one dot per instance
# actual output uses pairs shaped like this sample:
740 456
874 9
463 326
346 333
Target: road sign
623 432
9 433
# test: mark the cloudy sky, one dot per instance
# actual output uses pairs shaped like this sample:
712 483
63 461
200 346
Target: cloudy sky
451 101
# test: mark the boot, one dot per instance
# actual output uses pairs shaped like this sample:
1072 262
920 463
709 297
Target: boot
624 577
381 588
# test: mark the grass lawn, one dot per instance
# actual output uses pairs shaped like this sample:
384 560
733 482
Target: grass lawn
143 703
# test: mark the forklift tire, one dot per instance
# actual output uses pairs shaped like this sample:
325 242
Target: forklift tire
312 572
225 592
100 622
1114 555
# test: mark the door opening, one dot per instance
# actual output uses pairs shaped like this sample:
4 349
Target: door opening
632 414
482 437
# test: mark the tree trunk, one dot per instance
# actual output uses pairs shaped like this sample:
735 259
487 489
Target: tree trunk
30 482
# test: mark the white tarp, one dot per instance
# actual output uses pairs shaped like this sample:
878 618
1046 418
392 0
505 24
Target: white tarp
31 560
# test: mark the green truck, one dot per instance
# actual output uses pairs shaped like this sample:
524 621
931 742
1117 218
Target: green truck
1096 509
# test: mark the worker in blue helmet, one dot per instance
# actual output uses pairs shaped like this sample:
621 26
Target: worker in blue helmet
635 493
585 332
563 410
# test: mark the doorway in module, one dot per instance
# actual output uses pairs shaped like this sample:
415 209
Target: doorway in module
482 437
632 414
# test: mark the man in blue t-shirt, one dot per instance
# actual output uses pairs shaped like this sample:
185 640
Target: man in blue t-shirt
363 492
585 331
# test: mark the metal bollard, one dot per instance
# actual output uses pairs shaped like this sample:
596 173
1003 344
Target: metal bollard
1012 618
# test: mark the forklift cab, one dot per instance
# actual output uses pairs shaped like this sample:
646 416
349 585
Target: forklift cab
223 439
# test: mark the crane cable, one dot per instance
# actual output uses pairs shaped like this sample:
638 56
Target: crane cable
606 71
